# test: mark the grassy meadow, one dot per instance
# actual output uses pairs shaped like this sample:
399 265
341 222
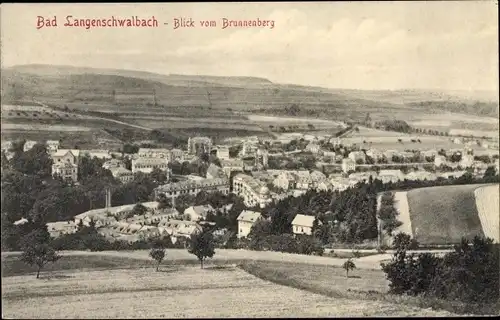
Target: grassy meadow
98 285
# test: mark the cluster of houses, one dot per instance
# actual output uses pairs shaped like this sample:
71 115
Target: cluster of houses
120 223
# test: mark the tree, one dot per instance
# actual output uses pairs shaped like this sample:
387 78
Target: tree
157 254
202 246
348 265
403 241
37 250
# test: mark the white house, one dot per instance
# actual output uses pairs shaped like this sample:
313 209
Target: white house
303 224
348 165
65 163
246 220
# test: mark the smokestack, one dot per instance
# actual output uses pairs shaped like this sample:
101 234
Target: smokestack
108 198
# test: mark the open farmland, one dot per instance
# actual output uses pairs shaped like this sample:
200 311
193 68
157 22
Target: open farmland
443 215
123 288
388 140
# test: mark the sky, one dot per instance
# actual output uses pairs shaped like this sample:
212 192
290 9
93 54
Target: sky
358 45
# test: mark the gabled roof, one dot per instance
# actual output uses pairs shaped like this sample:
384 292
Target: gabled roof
249 216
200 210
63 152
303 220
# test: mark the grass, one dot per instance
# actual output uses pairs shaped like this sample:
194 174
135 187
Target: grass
367 285
184 291
441 215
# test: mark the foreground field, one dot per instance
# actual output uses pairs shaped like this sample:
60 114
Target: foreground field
186 291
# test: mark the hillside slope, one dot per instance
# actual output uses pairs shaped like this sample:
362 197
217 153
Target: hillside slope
443 215
121 87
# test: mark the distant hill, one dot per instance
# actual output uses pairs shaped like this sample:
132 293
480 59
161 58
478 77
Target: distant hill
128 89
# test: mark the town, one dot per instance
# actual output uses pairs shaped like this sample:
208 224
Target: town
258 174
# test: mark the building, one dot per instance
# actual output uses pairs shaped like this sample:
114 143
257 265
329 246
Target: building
342 184
176 155
198 145
96 153
467 161
178 229
106 216
348 165
147 165
28 145
303 224
253 192
52 145
421 175
363 176
65 164
173 190
313 147
65 170
390 176
248 149
59 228
155 153
223 152
324 185
232 165
215 172
246 221
375 154
197 213
6 146
262 158
122 174
113 163
357 156
285 181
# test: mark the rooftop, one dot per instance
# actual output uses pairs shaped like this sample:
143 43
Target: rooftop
249 216
303 220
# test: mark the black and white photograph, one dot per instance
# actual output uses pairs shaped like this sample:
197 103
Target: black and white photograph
250 160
